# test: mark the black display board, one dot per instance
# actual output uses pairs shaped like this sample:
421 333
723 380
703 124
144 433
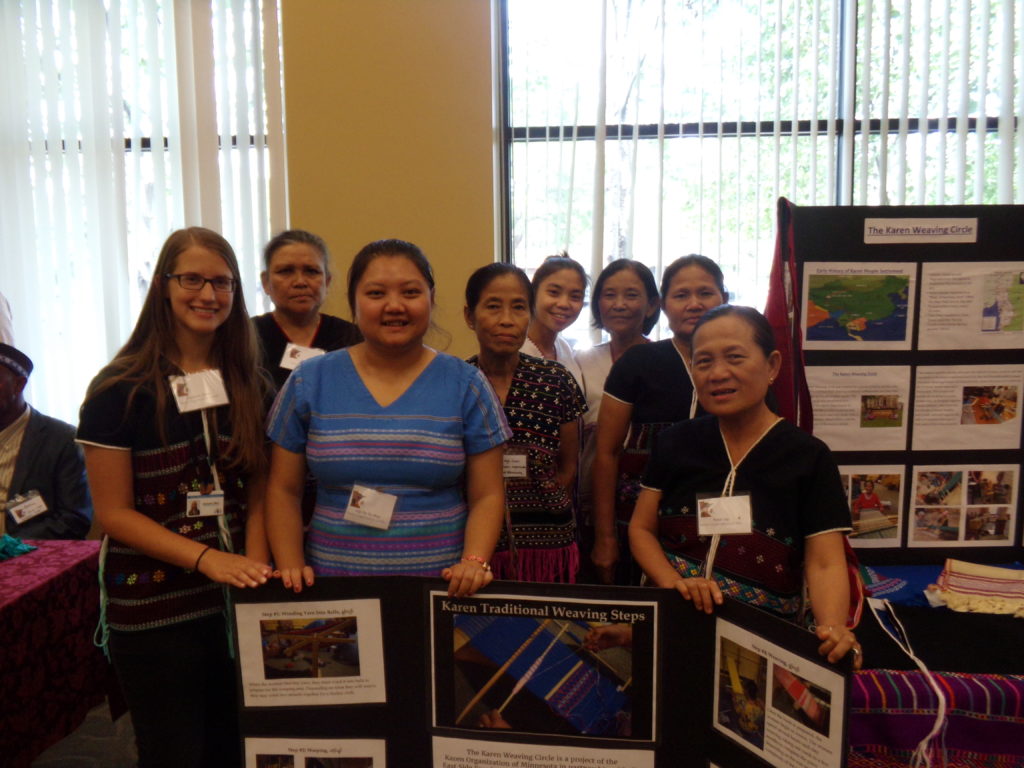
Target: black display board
367 672
925 425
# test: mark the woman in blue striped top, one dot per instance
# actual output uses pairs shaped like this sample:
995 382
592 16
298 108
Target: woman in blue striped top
405 443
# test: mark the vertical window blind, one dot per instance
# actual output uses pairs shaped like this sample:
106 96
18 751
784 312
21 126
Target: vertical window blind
124 120
654 128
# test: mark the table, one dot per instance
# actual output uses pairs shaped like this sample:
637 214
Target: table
51 672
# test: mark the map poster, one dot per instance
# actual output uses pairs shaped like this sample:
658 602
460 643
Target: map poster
860 408
862 306
961 407
875 495
964 505
972 305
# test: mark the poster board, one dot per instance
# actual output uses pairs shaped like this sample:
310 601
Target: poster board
911 321
368 672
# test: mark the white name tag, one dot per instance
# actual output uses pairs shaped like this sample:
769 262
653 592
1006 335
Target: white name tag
514 463
370 507
724 514
204 504
195 391
24 508
296 353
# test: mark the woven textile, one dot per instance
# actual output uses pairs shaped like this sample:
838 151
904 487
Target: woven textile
890 712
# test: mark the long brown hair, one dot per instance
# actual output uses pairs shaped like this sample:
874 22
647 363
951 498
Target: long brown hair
145 359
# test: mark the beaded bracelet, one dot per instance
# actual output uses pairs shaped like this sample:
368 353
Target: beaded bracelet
477 559
196 566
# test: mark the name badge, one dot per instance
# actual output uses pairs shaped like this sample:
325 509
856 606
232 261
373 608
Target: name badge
24 507
724 514
296 353
204 504
195 391
370 507
514 462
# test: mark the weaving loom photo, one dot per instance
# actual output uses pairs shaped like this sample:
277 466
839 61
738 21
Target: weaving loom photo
546 675
743 678
326 647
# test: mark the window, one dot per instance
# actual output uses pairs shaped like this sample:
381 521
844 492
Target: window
123 121
655 128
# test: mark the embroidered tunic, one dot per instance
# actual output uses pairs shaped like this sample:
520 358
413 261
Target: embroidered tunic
144 592
414 448
795 493
542 397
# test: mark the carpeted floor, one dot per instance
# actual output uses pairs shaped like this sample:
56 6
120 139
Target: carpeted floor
98 743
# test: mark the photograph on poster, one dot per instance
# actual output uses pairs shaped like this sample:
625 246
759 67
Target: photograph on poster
742 681
477 753
325 647
938 487
988 405
802 700
314 653
867 305
565 667
785 708
965 505
972 305
962 407
875 494
314 753
859 408
935 525
881 411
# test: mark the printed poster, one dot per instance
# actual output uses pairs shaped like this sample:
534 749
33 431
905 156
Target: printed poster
972 305
959 407
860 408
314 753
575 668
857 306
781 706
315 653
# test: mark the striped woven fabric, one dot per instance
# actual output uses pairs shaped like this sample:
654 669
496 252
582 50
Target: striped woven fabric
987 588
890 712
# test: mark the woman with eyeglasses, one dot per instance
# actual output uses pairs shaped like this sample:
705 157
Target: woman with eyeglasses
296 275
174 452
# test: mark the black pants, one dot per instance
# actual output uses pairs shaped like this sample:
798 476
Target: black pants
179 683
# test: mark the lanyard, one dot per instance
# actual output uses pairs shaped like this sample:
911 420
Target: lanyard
729 486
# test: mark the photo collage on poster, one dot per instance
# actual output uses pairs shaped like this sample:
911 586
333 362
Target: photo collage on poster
970 506
967 404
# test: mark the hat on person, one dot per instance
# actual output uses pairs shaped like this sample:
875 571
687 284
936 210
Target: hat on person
16 360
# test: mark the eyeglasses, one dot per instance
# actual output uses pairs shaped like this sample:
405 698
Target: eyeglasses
190 281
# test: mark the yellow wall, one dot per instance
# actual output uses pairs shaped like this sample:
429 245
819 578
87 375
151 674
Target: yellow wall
388 108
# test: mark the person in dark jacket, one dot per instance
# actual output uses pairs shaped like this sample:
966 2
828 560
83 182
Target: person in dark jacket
43 492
